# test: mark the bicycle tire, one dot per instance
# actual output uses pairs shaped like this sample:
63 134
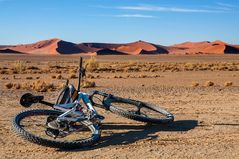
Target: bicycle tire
168 117
16 124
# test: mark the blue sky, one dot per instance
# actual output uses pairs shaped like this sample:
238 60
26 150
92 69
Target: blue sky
159 21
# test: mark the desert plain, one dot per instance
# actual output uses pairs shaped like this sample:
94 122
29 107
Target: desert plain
202 91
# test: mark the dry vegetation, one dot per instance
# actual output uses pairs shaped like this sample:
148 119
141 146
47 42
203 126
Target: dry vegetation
38 86
19 67
119 70
209 83
228 83
88 84
195 84
92 65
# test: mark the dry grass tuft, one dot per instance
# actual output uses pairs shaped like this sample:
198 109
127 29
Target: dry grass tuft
53 76
4 72
209 83
90 76
195 84
4 78
228 83
42 86
73 71
33 68
59 76
9 85
88 84
19 66
17 86
143 76
29 78
72 76
91 64
118 76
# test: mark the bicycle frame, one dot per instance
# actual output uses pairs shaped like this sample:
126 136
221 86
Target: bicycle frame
75 109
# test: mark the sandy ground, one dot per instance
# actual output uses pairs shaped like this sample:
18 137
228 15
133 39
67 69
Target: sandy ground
206 118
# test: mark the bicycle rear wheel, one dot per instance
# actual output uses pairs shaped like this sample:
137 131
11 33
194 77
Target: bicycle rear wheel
140 111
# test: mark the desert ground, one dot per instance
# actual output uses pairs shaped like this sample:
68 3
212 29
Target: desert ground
202 91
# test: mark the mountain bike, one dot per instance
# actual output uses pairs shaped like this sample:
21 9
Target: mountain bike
73 121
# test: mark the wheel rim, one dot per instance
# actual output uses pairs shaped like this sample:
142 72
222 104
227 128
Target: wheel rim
133 109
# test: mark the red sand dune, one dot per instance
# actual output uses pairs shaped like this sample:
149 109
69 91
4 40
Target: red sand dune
216 47
49 47
141 47
57 46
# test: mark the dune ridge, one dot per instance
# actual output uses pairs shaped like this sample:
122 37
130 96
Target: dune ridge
57 46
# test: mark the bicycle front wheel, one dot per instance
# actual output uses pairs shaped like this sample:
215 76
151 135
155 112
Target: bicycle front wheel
140 111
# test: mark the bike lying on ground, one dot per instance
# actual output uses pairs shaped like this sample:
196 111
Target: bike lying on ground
74 122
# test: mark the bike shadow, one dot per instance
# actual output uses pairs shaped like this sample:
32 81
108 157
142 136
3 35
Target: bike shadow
130 133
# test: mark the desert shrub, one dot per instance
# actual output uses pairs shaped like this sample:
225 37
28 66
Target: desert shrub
98 76
53 76
117 77
88 84
59 76
17 86
209 83
143 76
190 66
58 71
4 78
29 78
19 66
9 85
56 67
91 64
228 83
73 71
90 76
154 69
195 84
33 68
72 76
4 72
42 86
